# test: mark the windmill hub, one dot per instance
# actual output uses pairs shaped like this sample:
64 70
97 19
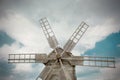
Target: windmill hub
58 56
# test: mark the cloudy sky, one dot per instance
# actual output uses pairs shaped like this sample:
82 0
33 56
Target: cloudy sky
20 32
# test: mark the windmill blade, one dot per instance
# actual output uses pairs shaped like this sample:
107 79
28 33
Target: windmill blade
76 37
27 58
92 61
49 33
63 73
75 60
46 71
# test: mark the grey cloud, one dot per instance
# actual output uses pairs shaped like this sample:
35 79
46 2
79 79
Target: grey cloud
5 39
7 72
29 75
73 10
98 9
5 69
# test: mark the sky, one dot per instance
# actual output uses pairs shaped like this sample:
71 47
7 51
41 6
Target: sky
20 32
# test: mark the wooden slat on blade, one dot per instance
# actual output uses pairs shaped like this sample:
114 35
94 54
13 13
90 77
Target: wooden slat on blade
76 37
99 61
41 58
69 45
49 33
21 58
75 60
46 71
92 61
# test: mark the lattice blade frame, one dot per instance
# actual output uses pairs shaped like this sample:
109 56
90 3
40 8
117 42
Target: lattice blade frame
27 58
92 61
75 37
48 33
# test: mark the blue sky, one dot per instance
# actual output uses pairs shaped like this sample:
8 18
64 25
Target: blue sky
20 32
110 46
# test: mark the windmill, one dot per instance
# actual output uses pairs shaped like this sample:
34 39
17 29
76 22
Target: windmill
60 62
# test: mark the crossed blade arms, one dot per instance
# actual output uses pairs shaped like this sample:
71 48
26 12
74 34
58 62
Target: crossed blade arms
54 43
70 43
49 70
92 61
37 58
81 61
68 47
74 60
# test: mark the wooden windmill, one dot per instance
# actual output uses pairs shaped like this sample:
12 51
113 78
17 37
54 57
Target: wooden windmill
60 63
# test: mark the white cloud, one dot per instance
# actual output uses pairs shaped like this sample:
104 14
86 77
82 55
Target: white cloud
85 73
22 30
118 45
23 68
6 49
98 32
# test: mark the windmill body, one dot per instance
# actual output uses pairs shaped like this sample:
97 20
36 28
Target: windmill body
58 68
60 63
